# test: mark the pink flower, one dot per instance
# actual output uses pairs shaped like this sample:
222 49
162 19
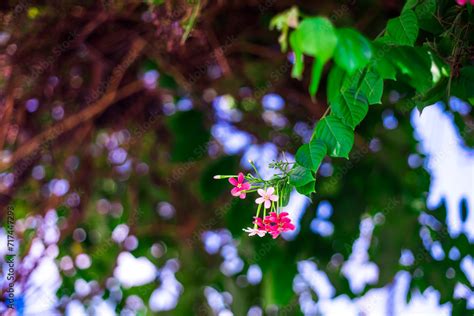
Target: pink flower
259 222
463 2
277 223
240 186
255 231
266 197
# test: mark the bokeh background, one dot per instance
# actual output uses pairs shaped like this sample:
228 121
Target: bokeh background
115 115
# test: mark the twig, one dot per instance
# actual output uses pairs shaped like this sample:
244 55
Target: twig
73 121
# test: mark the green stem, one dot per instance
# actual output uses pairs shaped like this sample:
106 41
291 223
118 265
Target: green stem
258 213
192 21
278 200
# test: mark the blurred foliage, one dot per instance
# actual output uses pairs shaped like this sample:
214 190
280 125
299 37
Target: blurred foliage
117 71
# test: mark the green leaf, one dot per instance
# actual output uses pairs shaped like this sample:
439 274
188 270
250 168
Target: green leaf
381 64
433 95
316 37
337 136
367 82
298 66
351 107
426 14
307 189
463 86
353 50
414 64
402 30
410 4
311 155
316 73
318 150
303 157
335 79
372 86
285 194
300 176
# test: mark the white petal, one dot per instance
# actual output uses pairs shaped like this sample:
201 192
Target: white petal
270 190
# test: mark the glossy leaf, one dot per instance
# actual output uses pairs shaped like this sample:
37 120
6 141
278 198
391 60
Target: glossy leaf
311 155
307 189
337 136
367 82
298 66
316 72
335 80
316 37
353 50
300 176
351 107
402 30
318 151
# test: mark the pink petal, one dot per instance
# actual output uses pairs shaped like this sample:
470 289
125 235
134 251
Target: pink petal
291 226
235 191
241 177
261 192
270 190
242 195
274 198
461 2
273 214
246 185
267 204
283 214
233 181
260 200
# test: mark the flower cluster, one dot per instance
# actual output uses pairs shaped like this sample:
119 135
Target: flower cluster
275 222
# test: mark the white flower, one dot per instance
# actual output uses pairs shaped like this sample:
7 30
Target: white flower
254 231
266 197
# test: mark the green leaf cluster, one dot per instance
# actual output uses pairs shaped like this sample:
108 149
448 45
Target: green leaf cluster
356 79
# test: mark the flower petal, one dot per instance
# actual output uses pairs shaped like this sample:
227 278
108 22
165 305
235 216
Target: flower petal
233 181
235 191
245 186
241 177
270 190
274 198
242 195
290 226
260 200
261 192
267 204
